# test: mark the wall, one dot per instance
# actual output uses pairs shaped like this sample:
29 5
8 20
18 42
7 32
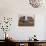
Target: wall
14 8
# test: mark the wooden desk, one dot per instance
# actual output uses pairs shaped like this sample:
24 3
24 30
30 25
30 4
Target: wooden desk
28 43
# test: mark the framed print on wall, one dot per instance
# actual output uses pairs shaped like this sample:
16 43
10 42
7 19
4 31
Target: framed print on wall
26 21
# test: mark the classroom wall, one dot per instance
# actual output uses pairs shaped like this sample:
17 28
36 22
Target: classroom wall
15 8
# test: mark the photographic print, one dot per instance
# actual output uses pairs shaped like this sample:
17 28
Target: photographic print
26 21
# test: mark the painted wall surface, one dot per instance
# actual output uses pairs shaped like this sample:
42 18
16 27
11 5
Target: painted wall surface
15 8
